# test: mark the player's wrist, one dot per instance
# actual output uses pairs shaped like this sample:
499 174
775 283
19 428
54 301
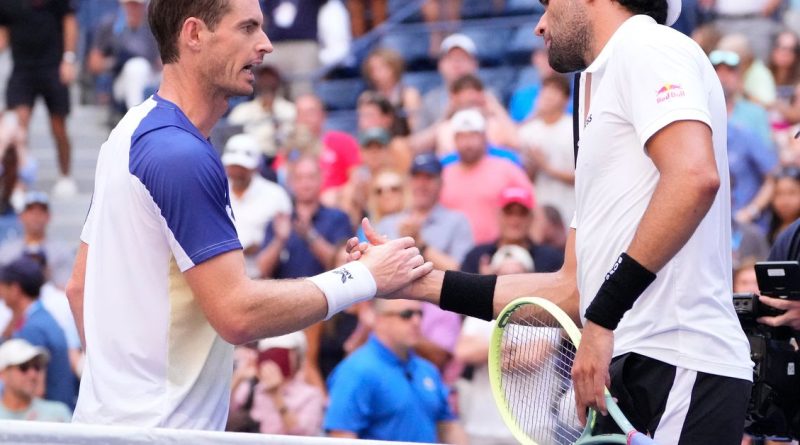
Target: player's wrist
345 286
468 294
623 285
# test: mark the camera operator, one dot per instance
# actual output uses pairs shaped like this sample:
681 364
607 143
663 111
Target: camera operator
786 248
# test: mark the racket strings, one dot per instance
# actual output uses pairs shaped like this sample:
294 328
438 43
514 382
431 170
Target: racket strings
535 378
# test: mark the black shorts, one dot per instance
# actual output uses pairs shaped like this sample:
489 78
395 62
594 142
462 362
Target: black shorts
26 84
682 407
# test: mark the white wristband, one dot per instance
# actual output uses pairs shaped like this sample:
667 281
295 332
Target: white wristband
345 286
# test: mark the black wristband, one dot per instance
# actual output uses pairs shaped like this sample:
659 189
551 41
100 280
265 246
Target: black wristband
468 294
626 281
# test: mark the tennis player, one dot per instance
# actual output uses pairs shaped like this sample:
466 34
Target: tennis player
159 287
648 259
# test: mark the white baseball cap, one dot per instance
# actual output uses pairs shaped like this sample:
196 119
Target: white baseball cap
514 253
18 351
458 41
242 150
673 11
295 340
470 120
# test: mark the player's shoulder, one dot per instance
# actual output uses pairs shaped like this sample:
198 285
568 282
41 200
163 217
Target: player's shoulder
644 39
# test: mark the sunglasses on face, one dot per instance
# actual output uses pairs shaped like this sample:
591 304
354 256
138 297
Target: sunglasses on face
392 188
35 365
407 314
728 58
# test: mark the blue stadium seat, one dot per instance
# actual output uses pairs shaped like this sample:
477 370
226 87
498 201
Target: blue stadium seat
490 42
340 94
396 5
413 46
499 80
524 6
424 81
522 43
345 120
477 8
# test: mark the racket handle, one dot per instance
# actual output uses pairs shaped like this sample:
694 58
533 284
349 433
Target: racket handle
637 438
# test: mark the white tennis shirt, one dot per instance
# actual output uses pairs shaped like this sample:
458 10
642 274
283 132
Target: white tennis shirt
645 78
160 207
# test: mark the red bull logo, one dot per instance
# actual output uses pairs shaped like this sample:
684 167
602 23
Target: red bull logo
669 91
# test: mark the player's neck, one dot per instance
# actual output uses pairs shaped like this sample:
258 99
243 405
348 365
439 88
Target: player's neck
608 19
203 108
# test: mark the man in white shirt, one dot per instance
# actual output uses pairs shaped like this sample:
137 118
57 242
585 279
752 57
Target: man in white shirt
652 197
159 290
254 200
547 141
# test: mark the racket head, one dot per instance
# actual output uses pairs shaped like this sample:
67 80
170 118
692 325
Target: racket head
530 357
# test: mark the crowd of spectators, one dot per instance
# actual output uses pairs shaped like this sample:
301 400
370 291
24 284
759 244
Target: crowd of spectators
484 183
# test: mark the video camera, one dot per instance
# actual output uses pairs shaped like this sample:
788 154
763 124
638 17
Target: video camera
774 409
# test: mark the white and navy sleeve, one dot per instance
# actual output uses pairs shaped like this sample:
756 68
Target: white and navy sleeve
187 183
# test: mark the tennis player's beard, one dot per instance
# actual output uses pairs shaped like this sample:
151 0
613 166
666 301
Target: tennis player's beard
568 51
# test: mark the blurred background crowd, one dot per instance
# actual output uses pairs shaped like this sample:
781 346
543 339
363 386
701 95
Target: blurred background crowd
437 119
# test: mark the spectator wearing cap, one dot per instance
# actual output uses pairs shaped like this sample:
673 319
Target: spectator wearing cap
457 58
444 237
385 391
254 200
20 286
275 394
468 92
374 110
303 244
475 167
125 49
515 219
751 156
269 117
548 149
21 368
35 218
758 84
55 257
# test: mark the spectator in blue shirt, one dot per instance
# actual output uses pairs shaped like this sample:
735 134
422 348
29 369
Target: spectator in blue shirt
384 391
303 244
20 283
751 165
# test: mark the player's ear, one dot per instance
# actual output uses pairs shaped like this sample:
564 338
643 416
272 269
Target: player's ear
191 34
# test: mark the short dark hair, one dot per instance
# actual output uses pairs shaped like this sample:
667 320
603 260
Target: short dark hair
466 82
376 99
657 9
558 82
166 18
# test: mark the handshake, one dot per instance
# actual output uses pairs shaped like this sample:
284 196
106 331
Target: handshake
398 268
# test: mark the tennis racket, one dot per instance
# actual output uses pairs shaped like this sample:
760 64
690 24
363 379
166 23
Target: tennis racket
530 360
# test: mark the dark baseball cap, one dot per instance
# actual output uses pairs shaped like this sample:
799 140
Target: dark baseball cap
25 271
426 163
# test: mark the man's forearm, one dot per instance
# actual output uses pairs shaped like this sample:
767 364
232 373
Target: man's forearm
70 33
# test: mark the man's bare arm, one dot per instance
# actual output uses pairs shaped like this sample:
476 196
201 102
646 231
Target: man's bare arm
75 287
683 153
242 310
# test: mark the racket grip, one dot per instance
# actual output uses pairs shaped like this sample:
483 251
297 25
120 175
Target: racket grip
637 438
